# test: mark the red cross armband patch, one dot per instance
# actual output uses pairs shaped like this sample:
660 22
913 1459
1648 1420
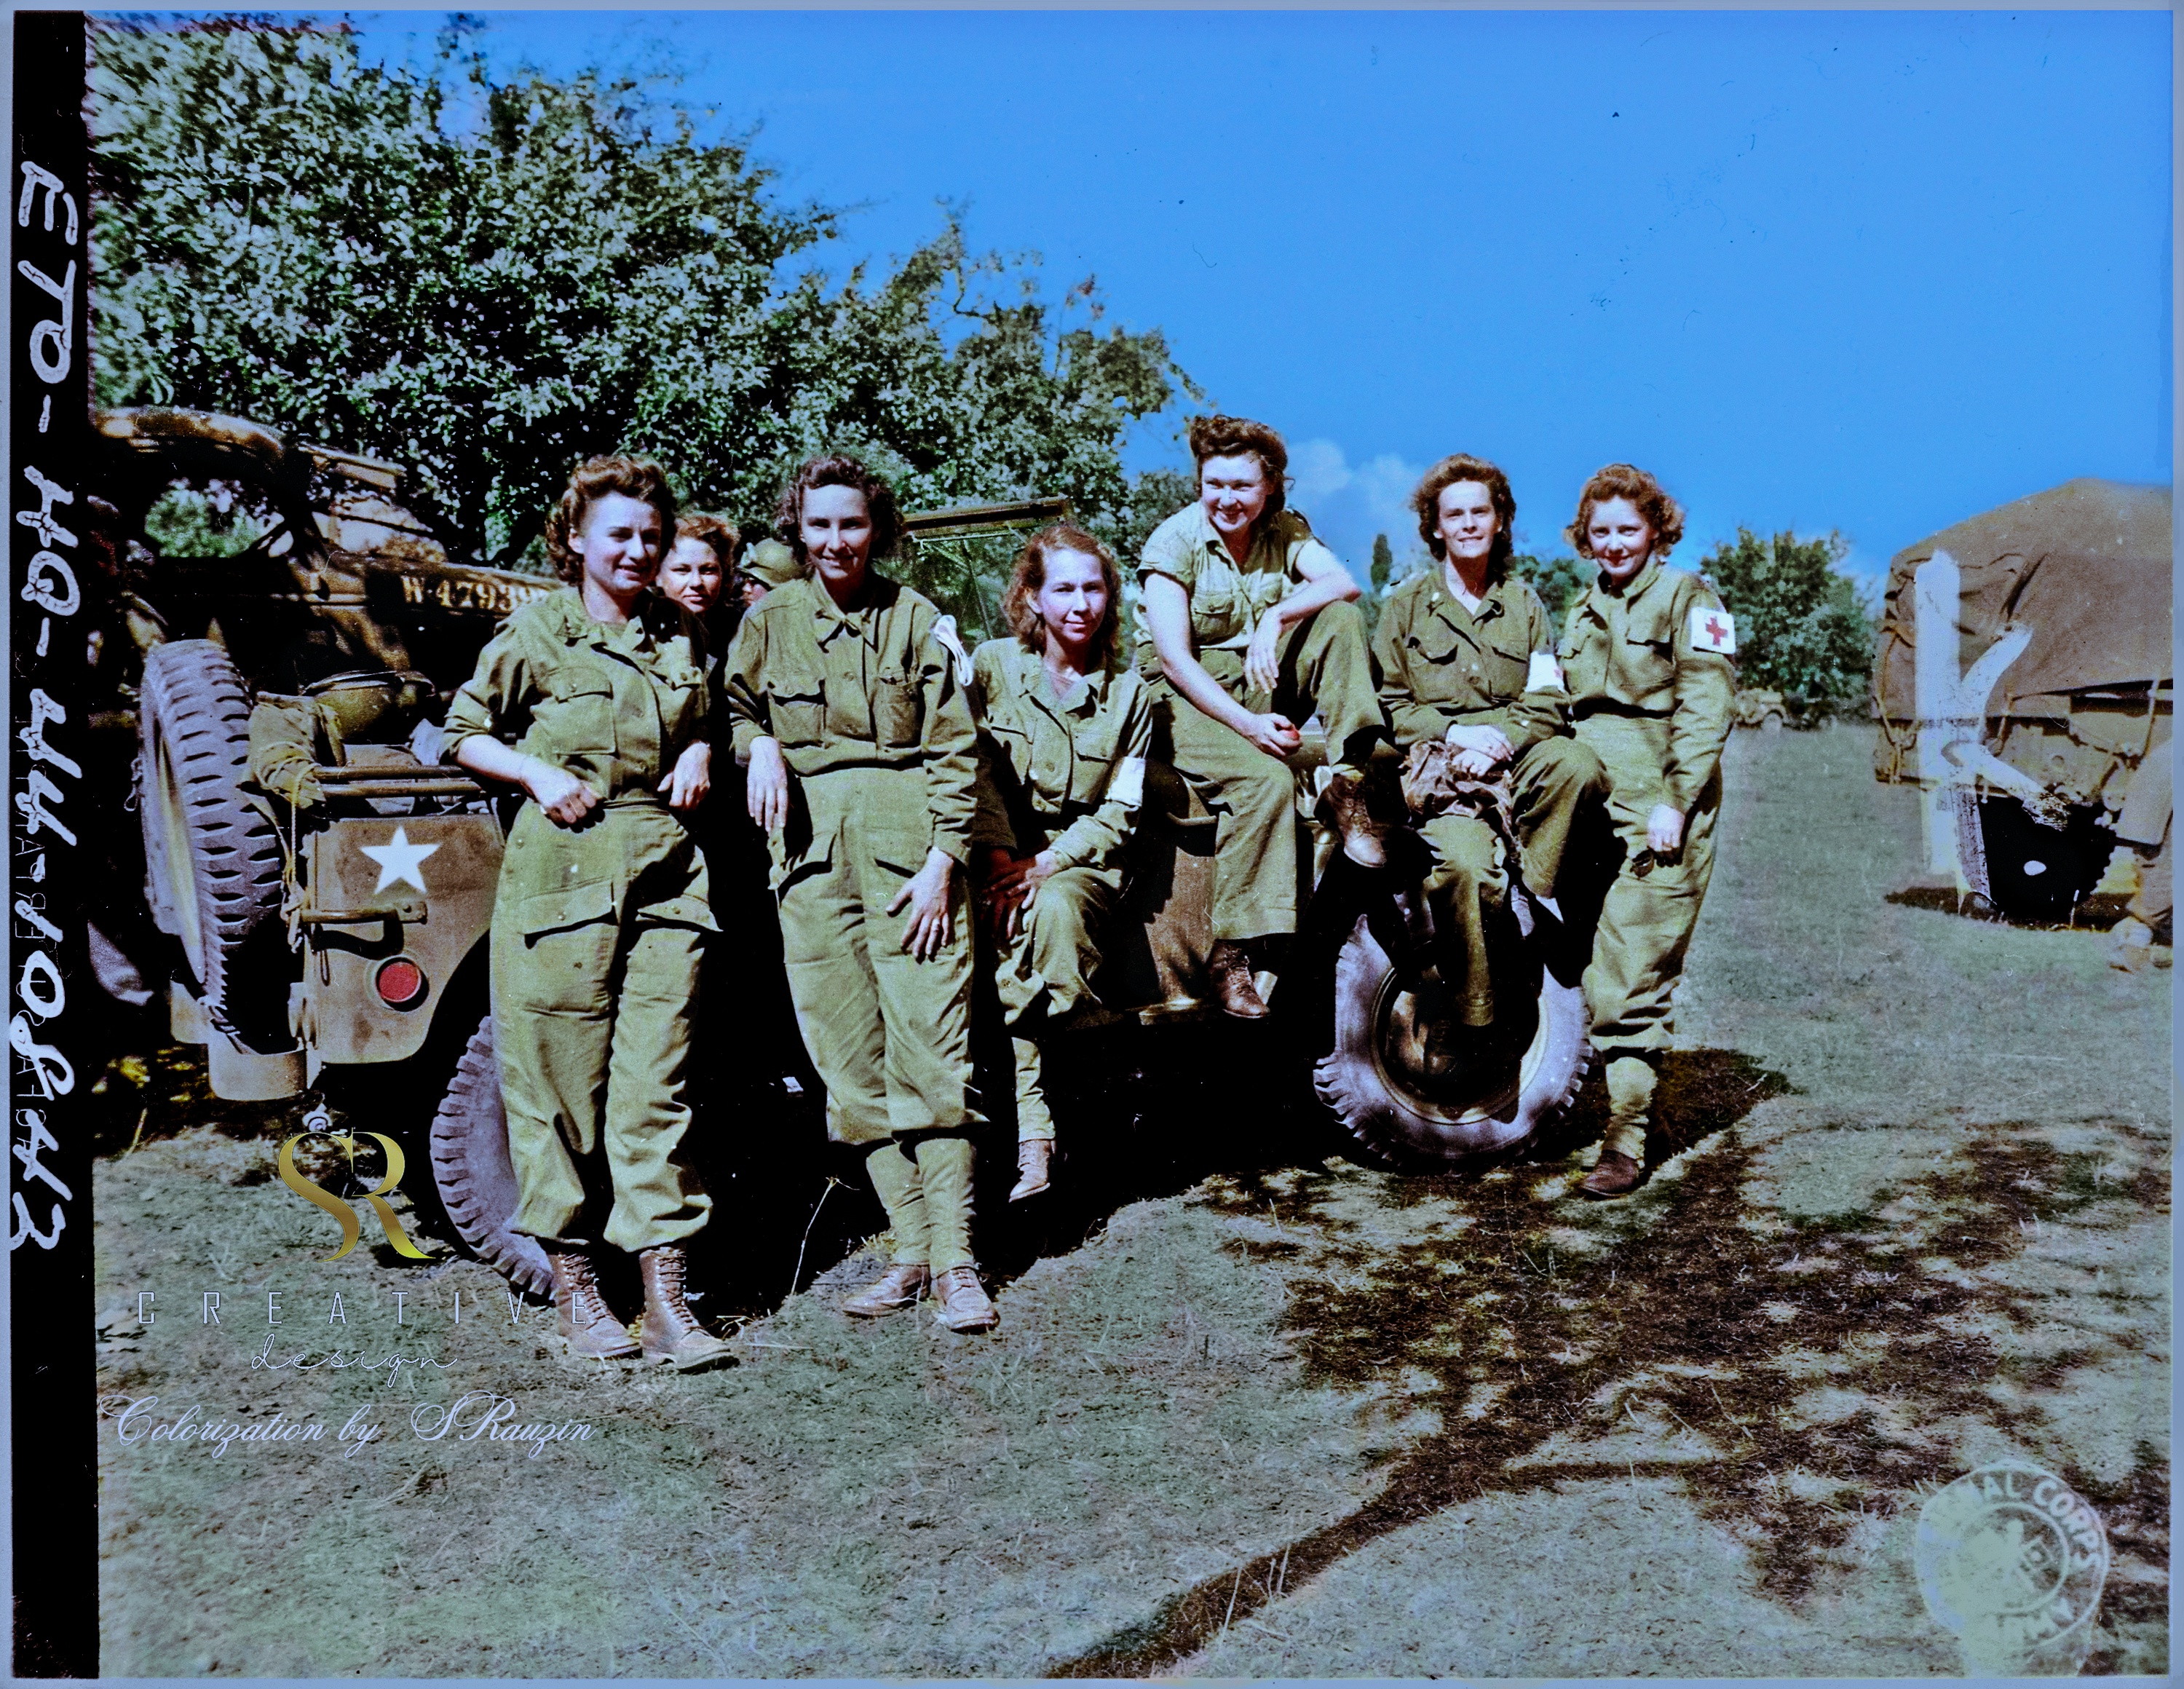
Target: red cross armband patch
1712 630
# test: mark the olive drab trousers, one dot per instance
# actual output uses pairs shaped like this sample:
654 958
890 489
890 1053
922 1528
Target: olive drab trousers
1651 905
1045 974
1552 783
1323 668
890 1034
592 995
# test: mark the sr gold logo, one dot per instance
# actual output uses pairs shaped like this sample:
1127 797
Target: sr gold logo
353 1228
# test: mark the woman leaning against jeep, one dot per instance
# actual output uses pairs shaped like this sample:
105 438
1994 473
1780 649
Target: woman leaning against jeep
594 701
850 703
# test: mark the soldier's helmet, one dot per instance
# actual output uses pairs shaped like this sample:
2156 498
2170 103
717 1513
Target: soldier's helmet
770 563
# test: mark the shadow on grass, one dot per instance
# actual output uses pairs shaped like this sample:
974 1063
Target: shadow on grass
2096 913
1529 1348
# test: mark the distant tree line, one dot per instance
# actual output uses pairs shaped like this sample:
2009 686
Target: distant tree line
1801 628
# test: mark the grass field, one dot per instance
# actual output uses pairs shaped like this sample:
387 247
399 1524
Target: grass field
1254 1409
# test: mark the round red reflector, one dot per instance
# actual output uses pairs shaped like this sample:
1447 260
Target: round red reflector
400 982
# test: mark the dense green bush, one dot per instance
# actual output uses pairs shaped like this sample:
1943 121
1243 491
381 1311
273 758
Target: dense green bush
1801 629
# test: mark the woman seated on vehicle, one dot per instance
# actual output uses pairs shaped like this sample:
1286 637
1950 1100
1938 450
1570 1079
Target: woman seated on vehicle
696 573
1646 655
1466 654
594 702
864 772
1066 729
1251 625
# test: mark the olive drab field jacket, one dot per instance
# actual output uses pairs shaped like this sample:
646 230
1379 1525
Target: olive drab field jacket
1658 649
1442 665
1068 777
873 688
616 707
1226 602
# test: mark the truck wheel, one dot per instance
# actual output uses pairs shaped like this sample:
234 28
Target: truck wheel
472 1167
1404 1092
212 860
1772 721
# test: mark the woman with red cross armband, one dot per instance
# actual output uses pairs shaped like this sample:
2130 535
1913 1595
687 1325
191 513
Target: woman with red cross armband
1646 655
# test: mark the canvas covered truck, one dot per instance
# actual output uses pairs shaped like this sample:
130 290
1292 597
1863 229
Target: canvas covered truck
346 936
2024 678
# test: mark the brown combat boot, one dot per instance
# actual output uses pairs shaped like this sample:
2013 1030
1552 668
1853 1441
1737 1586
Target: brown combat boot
902 1284
1034 1159
1616 1175
671 1332
1231 972
585 1321
1343 806
964 1303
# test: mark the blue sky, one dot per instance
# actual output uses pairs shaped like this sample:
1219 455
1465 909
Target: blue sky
1868 271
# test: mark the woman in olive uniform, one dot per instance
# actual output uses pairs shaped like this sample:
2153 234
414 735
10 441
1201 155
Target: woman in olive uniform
1066 731
1251 625
850 703
696 573
594 701
1466 656
1646 655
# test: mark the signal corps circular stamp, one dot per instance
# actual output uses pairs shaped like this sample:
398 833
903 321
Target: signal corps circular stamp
2013 1560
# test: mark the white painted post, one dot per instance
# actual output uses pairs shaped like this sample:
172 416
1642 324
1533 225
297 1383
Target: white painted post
1936 588
1950 707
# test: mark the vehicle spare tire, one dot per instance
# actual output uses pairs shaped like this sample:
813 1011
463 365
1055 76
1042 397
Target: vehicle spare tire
1423 1099
474 1174
212 858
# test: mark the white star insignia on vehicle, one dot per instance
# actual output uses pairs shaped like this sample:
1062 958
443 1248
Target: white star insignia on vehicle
399 861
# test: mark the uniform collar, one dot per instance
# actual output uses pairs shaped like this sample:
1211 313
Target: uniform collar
1206 535
1445 604
1027 672
653 621
832 620
1634 587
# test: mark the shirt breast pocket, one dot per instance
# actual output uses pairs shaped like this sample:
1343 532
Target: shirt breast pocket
1095 766
796 710
898 711
580 715
1505 672
1646 670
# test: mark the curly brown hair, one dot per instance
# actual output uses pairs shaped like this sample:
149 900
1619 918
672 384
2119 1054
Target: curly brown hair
1220 436
716 533
591 480
1425 501
836 469
1662 514
1021 614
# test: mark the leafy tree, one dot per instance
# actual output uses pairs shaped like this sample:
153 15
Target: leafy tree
1557 580
489 280
1156 495
1800 628
1383 563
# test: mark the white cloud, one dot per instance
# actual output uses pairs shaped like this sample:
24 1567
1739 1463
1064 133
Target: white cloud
1349 503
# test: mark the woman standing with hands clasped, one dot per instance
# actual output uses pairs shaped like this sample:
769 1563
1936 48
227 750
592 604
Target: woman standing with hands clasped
594 701
1646 655
1062 772
847 693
